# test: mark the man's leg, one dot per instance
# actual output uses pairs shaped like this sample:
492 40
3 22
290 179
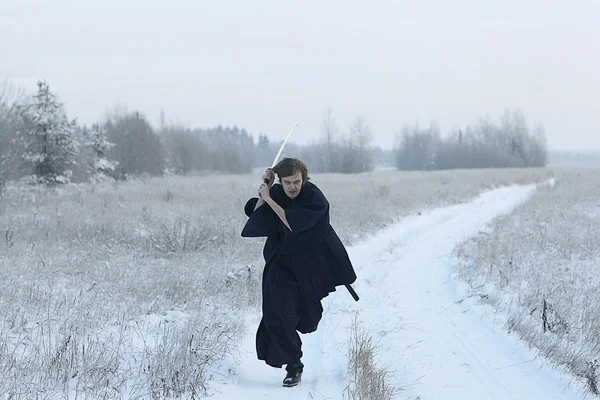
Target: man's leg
310 313
278 342
294 374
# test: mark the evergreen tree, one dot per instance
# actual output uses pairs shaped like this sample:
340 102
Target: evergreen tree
50 148
265 152
101 167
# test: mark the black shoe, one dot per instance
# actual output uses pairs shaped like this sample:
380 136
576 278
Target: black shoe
294 374
292 379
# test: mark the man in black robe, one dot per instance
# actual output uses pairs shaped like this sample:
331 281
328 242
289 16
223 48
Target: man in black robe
305 261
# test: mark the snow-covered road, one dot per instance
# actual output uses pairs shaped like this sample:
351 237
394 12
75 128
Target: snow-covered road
436 344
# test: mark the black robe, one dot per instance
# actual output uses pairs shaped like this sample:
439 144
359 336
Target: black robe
302 267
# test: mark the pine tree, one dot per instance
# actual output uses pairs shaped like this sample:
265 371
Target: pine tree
101 167
265 152
50 146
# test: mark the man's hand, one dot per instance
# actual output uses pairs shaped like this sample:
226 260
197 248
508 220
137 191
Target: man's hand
263 192
264 196
270 175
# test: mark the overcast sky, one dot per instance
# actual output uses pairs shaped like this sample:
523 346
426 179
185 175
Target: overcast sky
265 65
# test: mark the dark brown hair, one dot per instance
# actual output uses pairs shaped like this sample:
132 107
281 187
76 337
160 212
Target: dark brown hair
290 166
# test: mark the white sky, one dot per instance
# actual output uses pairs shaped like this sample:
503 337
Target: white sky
264 65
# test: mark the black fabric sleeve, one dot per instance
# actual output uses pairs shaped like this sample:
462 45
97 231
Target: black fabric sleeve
249 207
261 222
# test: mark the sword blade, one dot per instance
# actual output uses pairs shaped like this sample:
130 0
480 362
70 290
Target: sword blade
282 146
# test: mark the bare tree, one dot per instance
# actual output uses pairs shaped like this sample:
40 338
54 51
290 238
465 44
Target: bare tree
138 150
185 151
539 153
360 139
419 149
484 145
230 149
514 127
329 135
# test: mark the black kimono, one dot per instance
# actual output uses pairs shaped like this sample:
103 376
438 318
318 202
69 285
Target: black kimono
302 267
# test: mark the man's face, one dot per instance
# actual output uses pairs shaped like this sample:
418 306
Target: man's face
292 185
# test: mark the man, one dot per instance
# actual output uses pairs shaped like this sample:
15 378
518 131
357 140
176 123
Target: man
305 261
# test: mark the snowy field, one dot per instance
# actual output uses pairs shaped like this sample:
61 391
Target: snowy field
538 268
434 343
146 290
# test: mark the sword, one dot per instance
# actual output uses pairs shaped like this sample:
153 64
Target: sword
281 150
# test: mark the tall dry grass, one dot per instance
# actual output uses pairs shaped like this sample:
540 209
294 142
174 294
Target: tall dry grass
368 379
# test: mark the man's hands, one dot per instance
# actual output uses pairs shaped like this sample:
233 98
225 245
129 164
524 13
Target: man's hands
263 192
269 175
264 196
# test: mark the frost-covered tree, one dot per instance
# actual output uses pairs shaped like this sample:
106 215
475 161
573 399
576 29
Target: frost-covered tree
137 148
328 140
264 151
486 144
100 166
360 143
50 147
185 151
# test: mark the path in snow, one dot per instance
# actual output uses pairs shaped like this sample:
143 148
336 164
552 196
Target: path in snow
435 345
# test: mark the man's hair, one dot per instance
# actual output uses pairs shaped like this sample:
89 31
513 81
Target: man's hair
290 166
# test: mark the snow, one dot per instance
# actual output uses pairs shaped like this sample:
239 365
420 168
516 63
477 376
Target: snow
435 343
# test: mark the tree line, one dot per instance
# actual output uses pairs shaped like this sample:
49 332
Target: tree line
486 144
40 144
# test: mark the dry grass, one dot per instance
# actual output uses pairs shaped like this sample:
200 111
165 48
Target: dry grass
540 265
103 288
367 379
